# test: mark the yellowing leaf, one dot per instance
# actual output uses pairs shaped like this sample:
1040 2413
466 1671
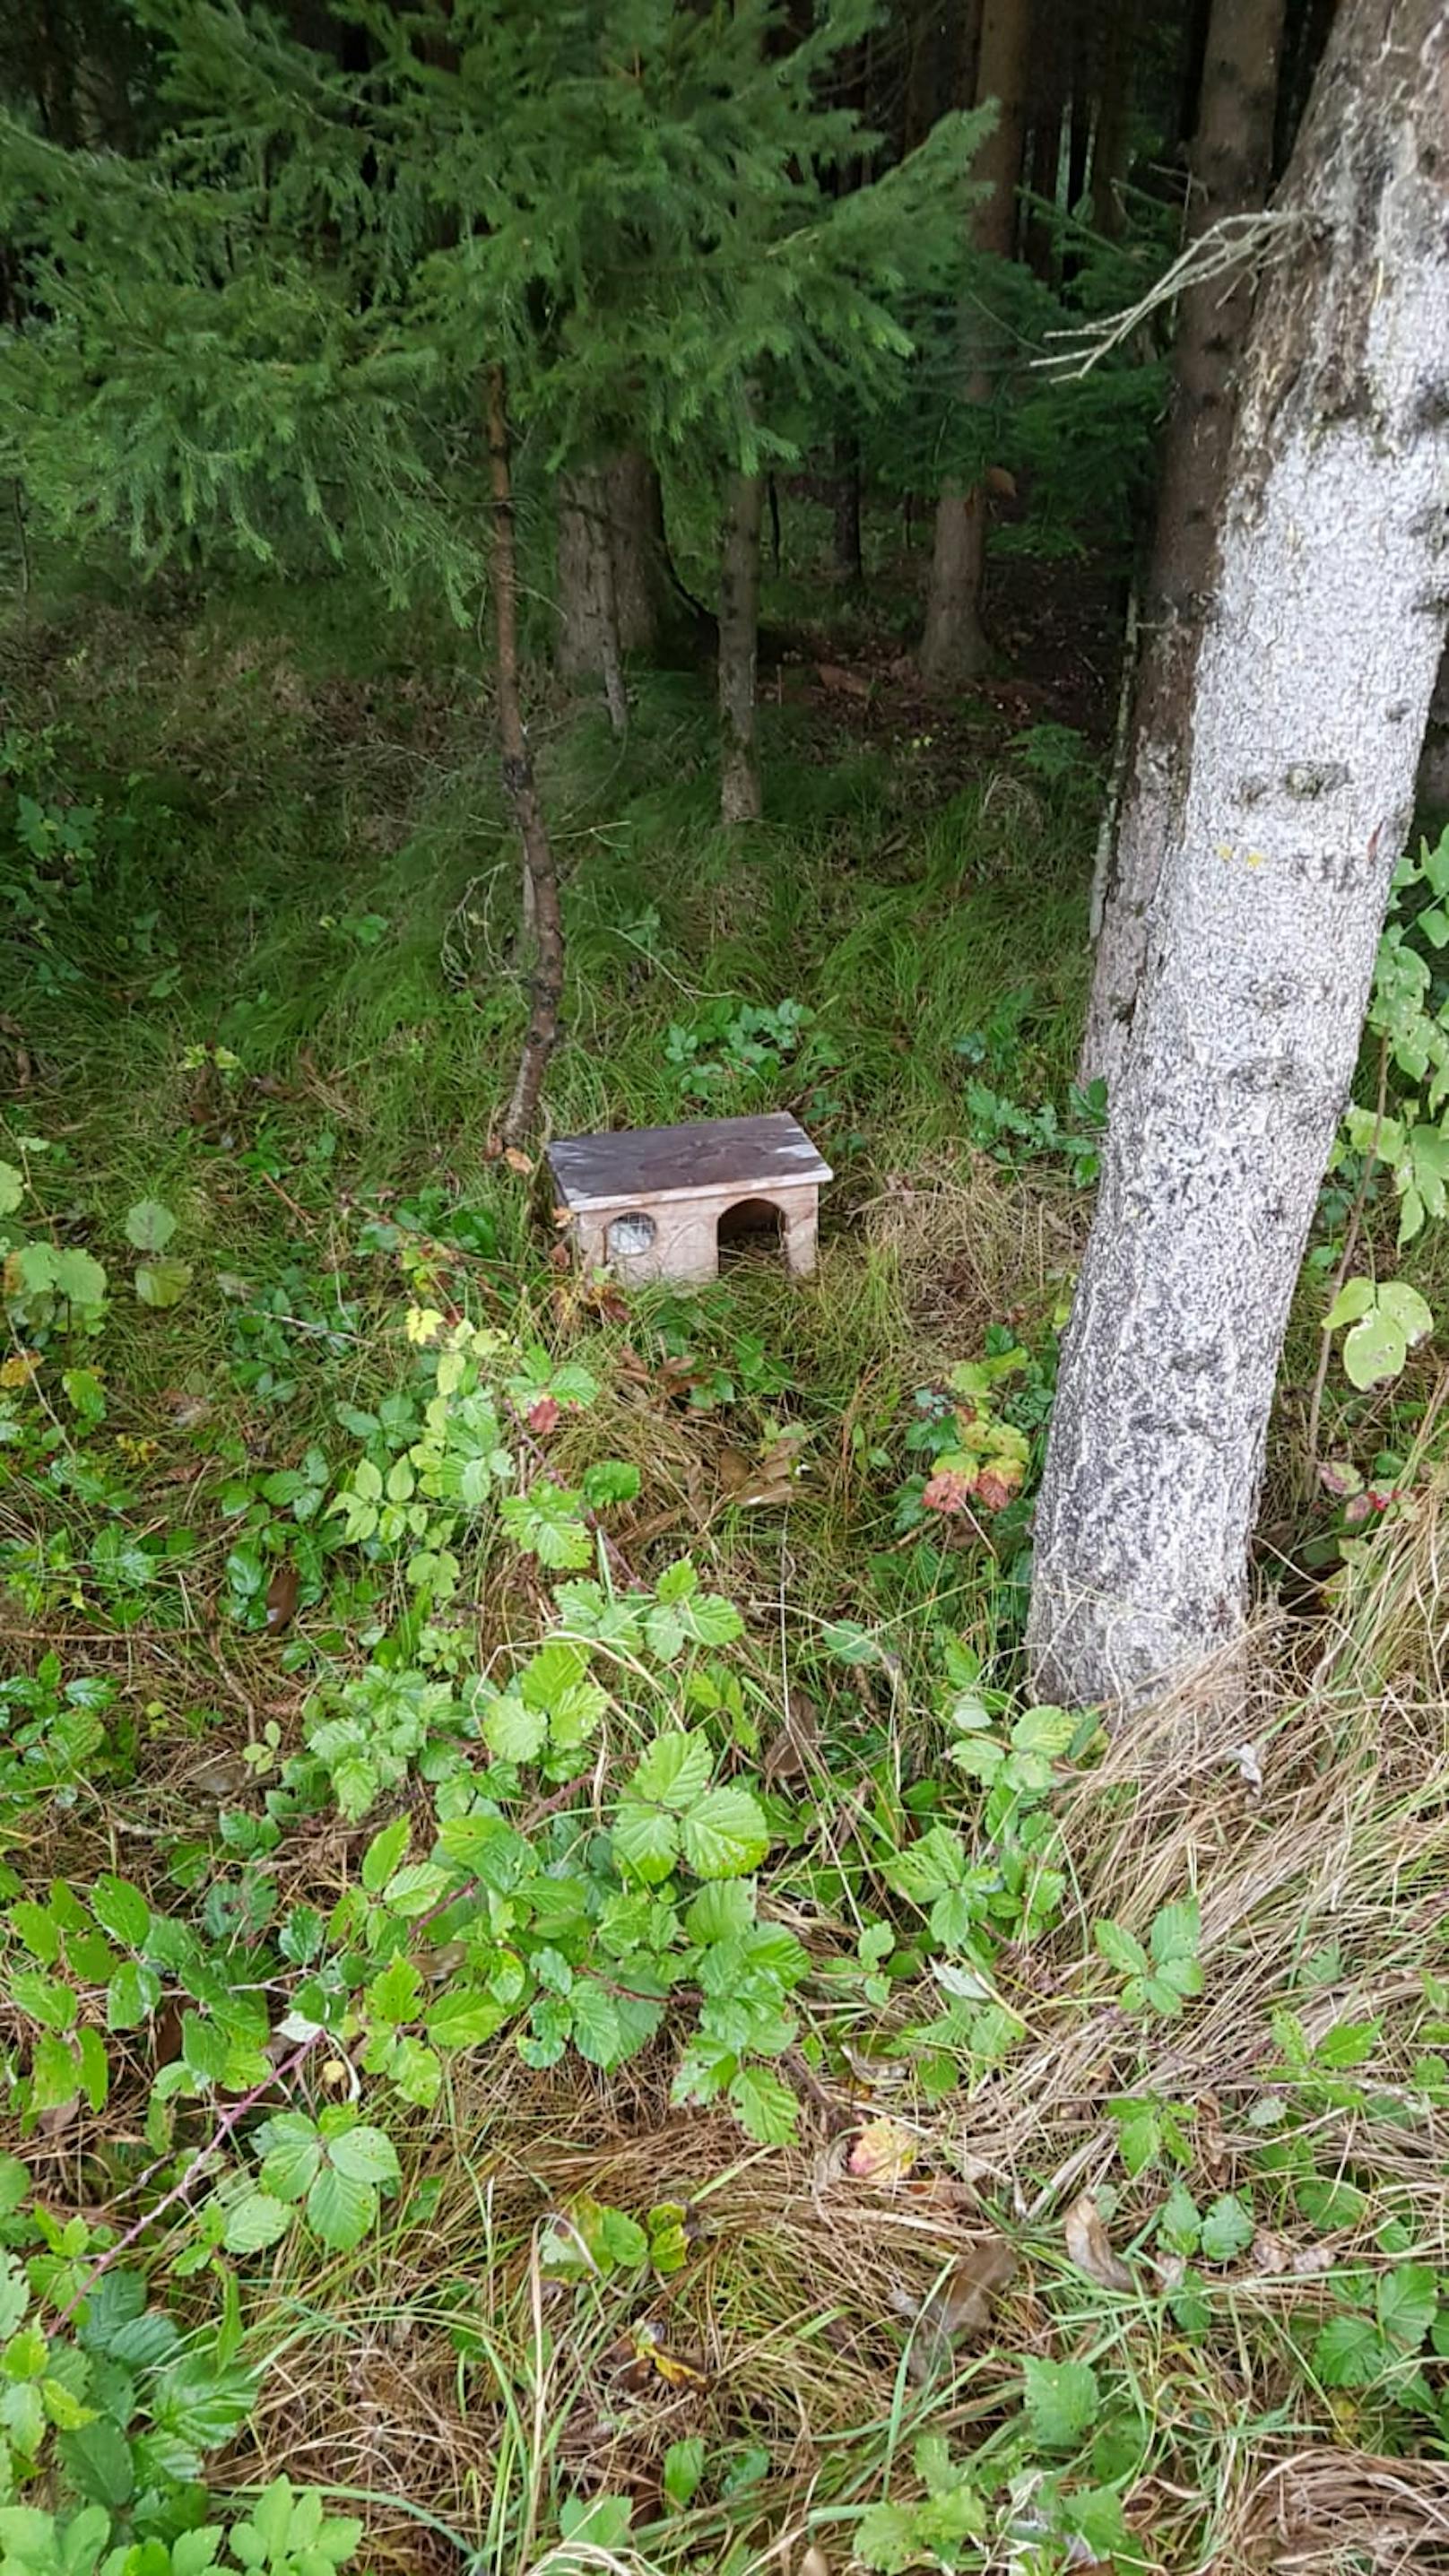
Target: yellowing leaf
883 2152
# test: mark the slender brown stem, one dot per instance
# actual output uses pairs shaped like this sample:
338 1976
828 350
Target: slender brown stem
1350 1241
183 2190
540 876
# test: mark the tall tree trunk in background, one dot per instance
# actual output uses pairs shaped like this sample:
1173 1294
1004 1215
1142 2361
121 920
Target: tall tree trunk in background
1305 34
1310 697
967 56
849 560
739 624
1112 148
1230 175
588 643
1079 149
541 882
643 593
1049 76
953 644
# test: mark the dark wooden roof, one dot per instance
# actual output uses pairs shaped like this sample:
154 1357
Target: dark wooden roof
708 1158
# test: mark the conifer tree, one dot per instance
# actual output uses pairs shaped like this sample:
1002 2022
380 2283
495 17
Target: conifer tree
271 334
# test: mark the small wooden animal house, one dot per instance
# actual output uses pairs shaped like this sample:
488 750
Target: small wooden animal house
659 1202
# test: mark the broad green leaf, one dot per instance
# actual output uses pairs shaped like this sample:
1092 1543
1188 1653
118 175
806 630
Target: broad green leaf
677 1582
725 1835
1061 2400
1349 2352
121 1910
1408 1309
396 1994
1176 1932
1355 1299
927 1867
149 1225
163 1283
256 2222
132 1995
683 2470
95 2072
465 2019
611 1480
489 1847
416 1887
1227 2228
1043 1730
77 1278
1121 1949
674 1772
364 2154
38 1930
293 2154
1407 2301
340 2210
514 1733
384 1854
84 1393
54 2073
764 2106
97 2459
709 1619
887 2538
1375 1349
646 1842
12 1189
14 2296
596 2032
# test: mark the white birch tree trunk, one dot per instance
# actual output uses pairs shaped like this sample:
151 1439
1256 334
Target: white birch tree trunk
1309 705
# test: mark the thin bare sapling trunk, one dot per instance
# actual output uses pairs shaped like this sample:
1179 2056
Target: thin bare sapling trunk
545 992
739 626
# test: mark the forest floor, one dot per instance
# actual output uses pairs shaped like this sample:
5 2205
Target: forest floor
1038 2158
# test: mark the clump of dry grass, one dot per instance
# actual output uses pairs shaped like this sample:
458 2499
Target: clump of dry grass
963 1243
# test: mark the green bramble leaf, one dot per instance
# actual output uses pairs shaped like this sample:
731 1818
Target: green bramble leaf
256 2222
384 1854
121 1910
929 1866
293 2154
364 2154
76 1278
1061 2399
596 2029
12 1189
725 1835
764 2106
465 2018
1227 2228
887 2538
340 2208
674 1772
646 1842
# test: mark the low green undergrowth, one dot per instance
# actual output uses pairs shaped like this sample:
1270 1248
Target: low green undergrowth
559 1997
